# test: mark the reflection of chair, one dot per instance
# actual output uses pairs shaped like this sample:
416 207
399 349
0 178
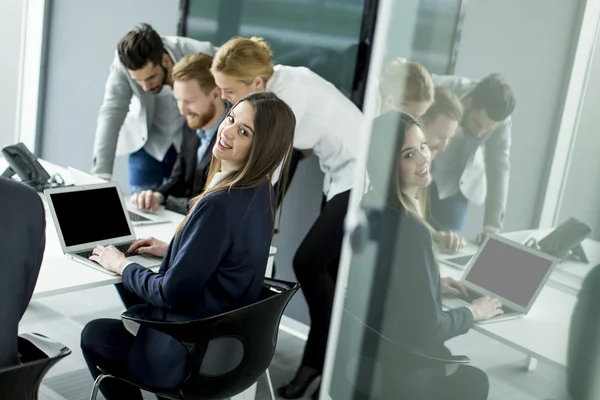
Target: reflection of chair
369 365
228 352
583 362
38 355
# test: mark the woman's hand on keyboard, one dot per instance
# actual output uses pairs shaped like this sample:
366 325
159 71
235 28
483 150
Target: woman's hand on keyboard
150 246
485 308
110 258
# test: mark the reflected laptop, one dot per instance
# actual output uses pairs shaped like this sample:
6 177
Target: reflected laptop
509 271
137 216
462 261
106 222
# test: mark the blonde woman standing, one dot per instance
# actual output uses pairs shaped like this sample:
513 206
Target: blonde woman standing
406 86
327 124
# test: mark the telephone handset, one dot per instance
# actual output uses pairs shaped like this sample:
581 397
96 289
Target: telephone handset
23 163
564 242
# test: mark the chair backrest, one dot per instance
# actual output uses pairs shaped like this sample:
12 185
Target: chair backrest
583 361
38 355
240 347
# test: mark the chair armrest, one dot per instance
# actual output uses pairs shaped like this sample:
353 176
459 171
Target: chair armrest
446 360
30 344
187 332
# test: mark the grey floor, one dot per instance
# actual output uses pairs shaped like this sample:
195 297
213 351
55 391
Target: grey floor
63 317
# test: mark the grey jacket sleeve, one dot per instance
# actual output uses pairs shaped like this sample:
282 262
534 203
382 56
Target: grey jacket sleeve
114 109
497 170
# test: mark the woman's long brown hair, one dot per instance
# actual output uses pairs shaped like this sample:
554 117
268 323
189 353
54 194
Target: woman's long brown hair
274 125
392 127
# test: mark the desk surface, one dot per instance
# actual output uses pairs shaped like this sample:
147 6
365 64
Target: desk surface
542 334
59 274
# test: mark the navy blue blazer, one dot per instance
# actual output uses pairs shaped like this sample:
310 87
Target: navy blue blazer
22 243
216 264
409 278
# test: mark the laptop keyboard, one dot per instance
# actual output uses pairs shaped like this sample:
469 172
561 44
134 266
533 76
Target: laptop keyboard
462 260
135 217
122 248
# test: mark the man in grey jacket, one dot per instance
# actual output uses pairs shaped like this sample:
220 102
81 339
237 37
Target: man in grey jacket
475 166
22 243
139 114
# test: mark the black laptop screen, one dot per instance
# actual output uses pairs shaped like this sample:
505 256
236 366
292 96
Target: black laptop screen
87 216
510 272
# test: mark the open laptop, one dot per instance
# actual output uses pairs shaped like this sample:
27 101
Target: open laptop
509 271
462 259
137 216
91 215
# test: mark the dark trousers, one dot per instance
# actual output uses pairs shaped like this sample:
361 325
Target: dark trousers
467 383
146 172
316 264
106 343
448 214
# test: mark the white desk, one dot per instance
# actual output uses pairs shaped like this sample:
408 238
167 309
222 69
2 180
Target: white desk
542 334
60 274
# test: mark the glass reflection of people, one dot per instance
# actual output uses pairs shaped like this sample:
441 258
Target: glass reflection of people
327 123
406 86
216 261
475 166
439 125
414 286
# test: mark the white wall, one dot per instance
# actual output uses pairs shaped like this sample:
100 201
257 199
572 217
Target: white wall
11 18
82 40
581 196
531 44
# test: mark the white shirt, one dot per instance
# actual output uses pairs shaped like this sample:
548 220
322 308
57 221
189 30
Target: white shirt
219 176
327 123
166 125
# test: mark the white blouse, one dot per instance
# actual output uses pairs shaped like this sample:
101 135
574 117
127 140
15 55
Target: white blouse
327 123
219 176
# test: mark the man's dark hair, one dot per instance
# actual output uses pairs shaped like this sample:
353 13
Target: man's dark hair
493 95
140 46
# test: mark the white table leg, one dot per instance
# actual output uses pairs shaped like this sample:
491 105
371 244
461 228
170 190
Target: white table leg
248 394
531 364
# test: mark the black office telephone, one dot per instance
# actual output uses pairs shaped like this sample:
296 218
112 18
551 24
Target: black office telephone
565 241
23 163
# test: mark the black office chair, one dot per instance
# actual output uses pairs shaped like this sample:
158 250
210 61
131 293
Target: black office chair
228 352
38 355
583 357
371 366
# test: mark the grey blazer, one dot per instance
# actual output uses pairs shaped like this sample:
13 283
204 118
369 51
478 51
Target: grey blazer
22 242
127 112
479 167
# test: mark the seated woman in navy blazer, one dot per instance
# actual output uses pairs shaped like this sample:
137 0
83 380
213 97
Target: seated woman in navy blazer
215 262
418 322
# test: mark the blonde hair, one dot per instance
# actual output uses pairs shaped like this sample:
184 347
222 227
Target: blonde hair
445 103
244 59
409 78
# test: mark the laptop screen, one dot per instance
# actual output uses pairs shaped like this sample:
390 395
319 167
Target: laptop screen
510 272
87 216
